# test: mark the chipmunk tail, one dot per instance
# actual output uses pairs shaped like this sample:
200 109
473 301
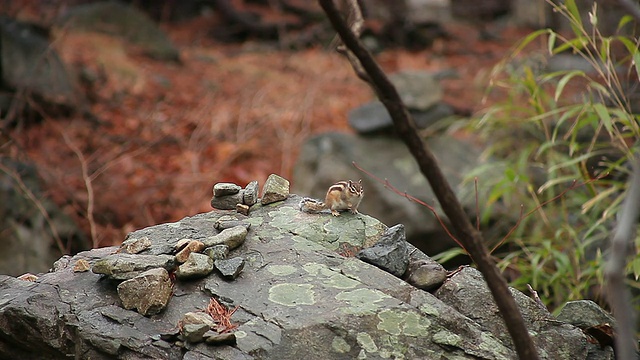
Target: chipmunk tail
312 206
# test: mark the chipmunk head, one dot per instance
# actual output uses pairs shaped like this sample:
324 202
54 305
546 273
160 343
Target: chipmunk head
355 187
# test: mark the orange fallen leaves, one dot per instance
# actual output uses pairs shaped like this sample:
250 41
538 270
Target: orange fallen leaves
221 315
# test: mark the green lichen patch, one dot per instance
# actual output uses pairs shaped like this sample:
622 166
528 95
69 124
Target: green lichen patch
340 345
329 277
302 244
292 294
366 342
362 301
429 309
448 338
255 221
285 218
281 270
401 322
492 344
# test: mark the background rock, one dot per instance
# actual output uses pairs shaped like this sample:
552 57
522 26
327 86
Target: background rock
31 65
121 20
328 158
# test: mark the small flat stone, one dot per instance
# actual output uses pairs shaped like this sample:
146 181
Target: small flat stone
148 293
390 253
196 266
61 263
217 252
227 202
194 246
128 266
194 333
198 317
135 245
276 188
227 222
425 274
224 189
220 339
81 265
584 314
250 196
28 277
181 244
230 268
232 237
242 209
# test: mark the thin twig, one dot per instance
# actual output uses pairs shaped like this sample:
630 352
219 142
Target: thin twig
412 198
475 183
88 185
25 189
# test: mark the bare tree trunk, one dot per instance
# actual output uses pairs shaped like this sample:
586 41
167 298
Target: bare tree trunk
467 234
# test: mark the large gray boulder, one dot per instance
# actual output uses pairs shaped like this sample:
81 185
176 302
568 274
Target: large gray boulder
328 158
296 298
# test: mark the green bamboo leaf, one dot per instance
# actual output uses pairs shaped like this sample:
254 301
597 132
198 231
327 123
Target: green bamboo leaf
635 263
631 46
605 49
605 118
602 196
574 161
575 45
556 181
551 42
528 39
624 21
449 254
575 19
604 91
564 80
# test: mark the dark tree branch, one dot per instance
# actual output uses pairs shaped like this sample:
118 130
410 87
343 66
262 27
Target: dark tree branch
617 293
466 233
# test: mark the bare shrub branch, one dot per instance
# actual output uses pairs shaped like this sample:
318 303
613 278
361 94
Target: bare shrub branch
618 295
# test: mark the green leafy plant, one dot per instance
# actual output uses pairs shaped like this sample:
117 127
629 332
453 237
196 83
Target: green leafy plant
560 143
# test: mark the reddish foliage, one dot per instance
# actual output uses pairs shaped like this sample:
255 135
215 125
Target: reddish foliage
227 113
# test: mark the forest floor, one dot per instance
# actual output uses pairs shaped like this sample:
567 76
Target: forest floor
231 113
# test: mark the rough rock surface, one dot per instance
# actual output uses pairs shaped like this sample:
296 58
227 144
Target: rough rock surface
467 292
297 298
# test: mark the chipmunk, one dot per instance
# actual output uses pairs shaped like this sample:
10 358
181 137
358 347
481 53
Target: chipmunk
343 195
